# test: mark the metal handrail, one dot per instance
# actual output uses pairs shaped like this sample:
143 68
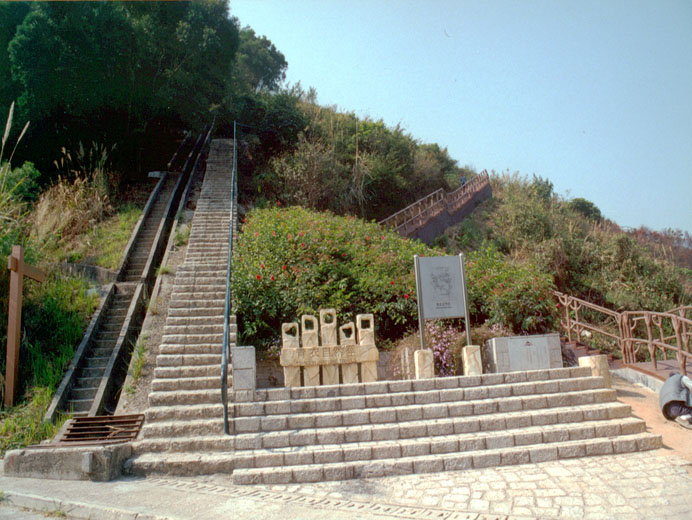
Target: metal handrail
227 308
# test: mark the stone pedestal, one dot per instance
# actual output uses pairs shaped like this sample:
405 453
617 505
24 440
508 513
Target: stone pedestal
599 367
425 367
244 369
471 360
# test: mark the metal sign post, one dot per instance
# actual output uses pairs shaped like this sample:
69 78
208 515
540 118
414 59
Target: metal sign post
441 291
18 270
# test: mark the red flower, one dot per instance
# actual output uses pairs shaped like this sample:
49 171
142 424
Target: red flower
406 296
289 236
382 237
278 203
261 266
367 238
256 234
558 305
273 233
283 267
259 277
301 234
391 283
302 244
343 254
540 298
272 278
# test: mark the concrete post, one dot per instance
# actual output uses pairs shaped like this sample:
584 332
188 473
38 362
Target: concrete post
599 367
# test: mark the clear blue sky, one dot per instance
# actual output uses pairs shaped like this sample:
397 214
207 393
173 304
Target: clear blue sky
594 95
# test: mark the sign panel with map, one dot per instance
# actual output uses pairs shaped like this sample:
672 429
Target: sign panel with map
441 285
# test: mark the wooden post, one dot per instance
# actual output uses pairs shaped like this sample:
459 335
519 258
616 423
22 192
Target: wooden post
18 270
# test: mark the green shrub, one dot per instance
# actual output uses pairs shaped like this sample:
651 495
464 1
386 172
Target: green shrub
22 182
293 261
509 293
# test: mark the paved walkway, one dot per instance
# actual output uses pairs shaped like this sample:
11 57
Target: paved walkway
642 485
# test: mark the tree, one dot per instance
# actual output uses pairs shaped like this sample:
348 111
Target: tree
11 16
586 208
259 64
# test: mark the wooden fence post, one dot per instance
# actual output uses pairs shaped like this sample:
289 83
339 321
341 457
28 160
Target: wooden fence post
18 270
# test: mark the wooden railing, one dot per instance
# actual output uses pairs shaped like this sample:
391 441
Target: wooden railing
416 215
667 332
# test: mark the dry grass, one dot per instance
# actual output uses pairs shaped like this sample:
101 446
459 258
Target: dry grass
68 209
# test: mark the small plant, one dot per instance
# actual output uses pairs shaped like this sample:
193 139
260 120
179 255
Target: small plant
163 269
153 306
138 358
441 339
182 235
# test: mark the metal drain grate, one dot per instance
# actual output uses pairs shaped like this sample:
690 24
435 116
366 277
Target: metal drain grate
101 429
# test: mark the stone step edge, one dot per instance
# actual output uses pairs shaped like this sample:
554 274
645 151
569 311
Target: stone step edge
373 449
355 417
420 397
200 463
438 383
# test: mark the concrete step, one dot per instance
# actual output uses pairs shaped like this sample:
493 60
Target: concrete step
178 428
192 463
187 383
476 459
198 320
203 443
79 392
177 360
188 339
174 372
212 348
202 328
315 453
197 313
180 397
186 304
184 412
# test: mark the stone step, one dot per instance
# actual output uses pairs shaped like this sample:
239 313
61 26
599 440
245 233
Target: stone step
311 453
199 294
96 362
191 279
175 372
404 422
79 405
187 383
205 443
178 428
181 464
198 320
79 392
212 348
175 360
197 312
184 412
510 394
186 303
188 339
476 459
205 328
202 396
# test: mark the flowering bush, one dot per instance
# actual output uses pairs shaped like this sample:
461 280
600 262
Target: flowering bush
506 292
293 261
441 338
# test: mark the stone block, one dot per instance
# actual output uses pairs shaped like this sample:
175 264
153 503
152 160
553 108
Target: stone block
581 432
438 428
338 472
278 476
471 443
297 458
599 367
275 440
599 447
328 456
427 397
378 400
330 374
359 434
312 473
386 433
403 399
399 386
444 383
499 440
475 393
268 460
330 436
365 325
458 462
542 453
443 446
353 403
246 424
309 329
650 442
485 407
354 418
352 453
269 423
349 373
415 449
302 438
498 391
493 423
428 464
459 409
629 427
435 411
509 405
277 407
347 334
524 438
412 430
467 426
570 451
486 460
471 360
248 442
424 366
382 415
514 457
386 451
244 368
423 385
368 371
292 377
300 422
547 387
311 376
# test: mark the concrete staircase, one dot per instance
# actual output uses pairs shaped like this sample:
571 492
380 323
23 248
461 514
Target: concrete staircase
185 416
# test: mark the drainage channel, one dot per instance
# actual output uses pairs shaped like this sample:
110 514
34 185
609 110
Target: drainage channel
94 378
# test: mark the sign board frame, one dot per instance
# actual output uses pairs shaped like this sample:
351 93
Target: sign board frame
441 291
